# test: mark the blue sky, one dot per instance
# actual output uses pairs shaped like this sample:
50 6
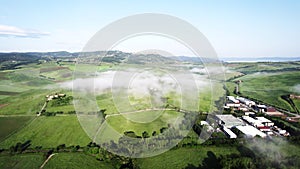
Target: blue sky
255 28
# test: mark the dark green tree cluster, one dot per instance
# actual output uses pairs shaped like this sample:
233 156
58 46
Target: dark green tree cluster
20 147
61 101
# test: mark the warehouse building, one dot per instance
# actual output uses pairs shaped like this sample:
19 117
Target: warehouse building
229 121
251 131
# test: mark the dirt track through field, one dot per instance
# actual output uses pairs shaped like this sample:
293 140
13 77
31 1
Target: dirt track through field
45 162
138 111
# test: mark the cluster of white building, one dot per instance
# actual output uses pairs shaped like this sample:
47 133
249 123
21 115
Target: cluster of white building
55 96
228 122
248 124
243 104
239 103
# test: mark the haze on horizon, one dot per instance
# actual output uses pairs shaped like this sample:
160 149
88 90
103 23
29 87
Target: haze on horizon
234 28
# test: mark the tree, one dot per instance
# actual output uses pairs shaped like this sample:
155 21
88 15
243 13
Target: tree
211 161
130 134
60 147
145 134
163 129
154 133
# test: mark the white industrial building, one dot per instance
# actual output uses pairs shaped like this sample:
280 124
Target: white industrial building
232 99
233 104
265 121
229 121
209 128
251 131
249 113
229 133
246 101
261 108
252 121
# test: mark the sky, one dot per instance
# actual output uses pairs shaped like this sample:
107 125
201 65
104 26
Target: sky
248 28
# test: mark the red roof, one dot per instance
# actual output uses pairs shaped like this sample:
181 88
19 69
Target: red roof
271 109
264 127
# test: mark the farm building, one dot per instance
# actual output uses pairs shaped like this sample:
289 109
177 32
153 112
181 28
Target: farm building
243 108
252 121
55 96
232 104
229 133
228 120
209 127
246 101
203 123
251 131
261 108
265 121
271 111
264 129
232 99
249 113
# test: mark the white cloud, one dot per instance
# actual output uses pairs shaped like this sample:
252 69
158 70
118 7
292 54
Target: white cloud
6 30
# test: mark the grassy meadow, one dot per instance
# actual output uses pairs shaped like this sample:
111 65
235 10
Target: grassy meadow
50 132
75 161
21 161
125 122
269 87
181 158
8 125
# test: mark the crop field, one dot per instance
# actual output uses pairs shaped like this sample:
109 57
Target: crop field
297 103
50 132
180 158
231 74
269 87
9 88
28 103
10 124
122 123
248 68
21 161
75 161
209 95
16 84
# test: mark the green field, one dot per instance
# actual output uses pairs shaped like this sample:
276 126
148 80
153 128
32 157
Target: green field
21 161
23 91
50 132
10 124
209 95
75 161
180 158
249 68
122 123
269 87
297 103
28 102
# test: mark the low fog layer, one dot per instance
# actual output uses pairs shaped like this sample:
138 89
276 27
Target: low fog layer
140 82
141 85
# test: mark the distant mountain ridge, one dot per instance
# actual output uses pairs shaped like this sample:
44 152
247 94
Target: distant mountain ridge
260 59
118 57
